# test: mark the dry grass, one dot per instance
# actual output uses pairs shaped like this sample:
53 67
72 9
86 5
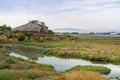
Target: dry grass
86 50
80 75
95 48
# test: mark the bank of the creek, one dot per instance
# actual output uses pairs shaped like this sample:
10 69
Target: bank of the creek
60 64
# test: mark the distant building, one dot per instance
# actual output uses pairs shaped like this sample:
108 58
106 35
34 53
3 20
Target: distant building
33 26
113 33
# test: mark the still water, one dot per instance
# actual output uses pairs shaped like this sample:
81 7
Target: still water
60 64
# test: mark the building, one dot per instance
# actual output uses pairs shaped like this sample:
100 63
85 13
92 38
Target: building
33 26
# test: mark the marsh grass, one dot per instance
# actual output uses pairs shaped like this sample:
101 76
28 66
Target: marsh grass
99 69
94 48
90 47
17 74
79 75
10 62
13 68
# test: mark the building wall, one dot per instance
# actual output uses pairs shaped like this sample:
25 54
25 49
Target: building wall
44 30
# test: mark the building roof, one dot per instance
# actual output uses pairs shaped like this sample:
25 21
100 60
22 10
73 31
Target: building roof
33 25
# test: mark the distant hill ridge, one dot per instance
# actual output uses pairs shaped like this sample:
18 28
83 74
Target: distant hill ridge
69 30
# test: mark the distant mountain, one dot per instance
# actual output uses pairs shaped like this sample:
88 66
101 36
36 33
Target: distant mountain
70 30
118 31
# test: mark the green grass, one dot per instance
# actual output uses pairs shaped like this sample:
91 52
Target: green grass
17 75
28 70
13 68
10 62
105 39
90 47
84 55
99 69
50 52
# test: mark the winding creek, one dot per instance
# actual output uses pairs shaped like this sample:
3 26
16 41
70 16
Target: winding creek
60 64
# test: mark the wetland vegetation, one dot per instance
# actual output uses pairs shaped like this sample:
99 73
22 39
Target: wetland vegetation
89 47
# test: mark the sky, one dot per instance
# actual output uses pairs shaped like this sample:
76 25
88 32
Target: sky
91 15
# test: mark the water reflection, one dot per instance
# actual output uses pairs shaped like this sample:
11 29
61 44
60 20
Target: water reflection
25 51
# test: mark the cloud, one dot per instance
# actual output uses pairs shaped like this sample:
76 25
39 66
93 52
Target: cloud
57 6
93 15
18 18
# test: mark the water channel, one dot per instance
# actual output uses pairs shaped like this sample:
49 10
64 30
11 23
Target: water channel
60 64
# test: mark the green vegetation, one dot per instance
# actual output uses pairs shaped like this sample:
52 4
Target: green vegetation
90 47
99 69
21 38
12 68
17 36
5 28
103 39
50 32
10 62
17 75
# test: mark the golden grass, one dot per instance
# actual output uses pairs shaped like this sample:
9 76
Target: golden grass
80 75
95 48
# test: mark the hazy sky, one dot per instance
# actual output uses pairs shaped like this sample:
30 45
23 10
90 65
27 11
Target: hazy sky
92 15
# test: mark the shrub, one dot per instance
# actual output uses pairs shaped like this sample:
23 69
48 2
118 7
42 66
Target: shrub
21 38
50 32
5 27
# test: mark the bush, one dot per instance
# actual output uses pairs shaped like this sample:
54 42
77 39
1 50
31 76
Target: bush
50 32
5 27
21 38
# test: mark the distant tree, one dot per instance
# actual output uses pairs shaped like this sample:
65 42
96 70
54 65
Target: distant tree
5 28
21 38
50 32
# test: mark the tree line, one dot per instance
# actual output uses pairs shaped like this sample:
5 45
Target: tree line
5 28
